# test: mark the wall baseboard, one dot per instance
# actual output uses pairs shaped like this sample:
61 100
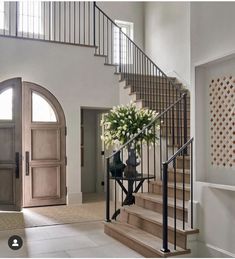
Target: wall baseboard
208 250
74 198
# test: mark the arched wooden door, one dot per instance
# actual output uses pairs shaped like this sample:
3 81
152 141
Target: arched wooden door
44 167
10 144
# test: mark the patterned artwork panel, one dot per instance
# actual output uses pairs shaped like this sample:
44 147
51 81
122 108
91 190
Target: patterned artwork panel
222 121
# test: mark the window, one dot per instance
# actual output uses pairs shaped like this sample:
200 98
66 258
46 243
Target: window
42 111
6 104
128 29
30 17
2 15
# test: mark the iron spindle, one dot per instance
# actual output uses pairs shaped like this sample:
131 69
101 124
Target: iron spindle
191 183
84 23
183 192
174 167
165 209
107 192
74 20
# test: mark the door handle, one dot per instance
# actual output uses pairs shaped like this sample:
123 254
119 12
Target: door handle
17 159
27 162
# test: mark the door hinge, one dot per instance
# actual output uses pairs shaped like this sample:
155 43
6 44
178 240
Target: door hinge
65 131
66 190
65 160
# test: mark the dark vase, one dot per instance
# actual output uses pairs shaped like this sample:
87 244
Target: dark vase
116 167
130 169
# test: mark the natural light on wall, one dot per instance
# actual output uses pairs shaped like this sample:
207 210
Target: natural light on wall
30 17
6 105
42 110
128 29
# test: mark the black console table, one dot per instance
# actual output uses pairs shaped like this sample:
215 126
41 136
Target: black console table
130 198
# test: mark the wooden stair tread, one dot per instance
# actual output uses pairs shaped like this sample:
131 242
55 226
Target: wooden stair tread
171 185
179 170
156 218
158 198
145 239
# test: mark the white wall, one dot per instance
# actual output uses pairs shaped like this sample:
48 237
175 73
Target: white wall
167 37
74 76
212 37
212 30
127 11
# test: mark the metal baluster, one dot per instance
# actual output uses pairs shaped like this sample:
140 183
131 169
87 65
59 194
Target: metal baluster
89 20
107 192
141 161
16 21
183 192
49 22
74 19
79 22
107 35
112 43
69 22
154 150
65 21
59 21
120 70
148 161
165 209
84 23
115 193
54 11
175 216
94 25
99 31
191 184
103 37
122 175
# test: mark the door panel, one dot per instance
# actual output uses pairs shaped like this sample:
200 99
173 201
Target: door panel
11 144
46 182
44 140
7 144
41 144
7 184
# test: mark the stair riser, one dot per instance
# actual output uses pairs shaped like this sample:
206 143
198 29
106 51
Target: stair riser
179 177
177 141
141 249
158 97
179 164
155 188
154 206
153 228
154 104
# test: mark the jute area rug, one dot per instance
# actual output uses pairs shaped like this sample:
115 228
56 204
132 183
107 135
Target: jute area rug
53 215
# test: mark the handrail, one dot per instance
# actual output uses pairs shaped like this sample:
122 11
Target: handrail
147 126
179 151
132 42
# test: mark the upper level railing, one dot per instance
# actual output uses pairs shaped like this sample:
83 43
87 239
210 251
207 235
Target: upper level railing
84 23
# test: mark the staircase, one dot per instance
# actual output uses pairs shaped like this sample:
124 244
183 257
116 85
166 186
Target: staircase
160 220
140 226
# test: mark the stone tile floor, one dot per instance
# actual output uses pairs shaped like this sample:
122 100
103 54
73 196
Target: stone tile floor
68 240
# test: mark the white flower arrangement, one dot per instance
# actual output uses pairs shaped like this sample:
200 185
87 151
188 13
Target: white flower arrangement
124 122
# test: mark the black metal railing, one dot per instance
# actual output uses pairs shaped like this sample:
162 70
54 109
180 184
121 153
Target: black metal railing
171 141
84 23
172 160
146 79
61 22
